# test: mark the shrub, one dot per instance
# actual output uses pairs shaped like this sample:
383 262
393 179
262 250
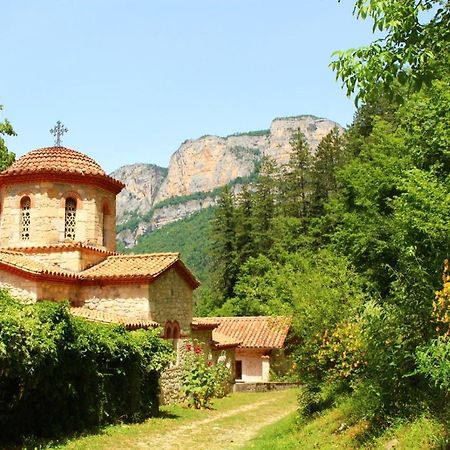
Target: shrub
60 374
201 379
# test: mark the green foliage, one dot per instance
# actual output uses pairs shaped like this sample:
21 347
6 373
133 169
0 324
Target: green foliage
60 374
201 379
6 157
412 51
434 362
186 236
245 152
251 133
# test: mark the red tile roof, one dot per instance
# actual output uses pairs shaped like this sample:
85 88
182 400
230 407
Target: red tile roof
94 315
24 263
221 341
58 159
113 268
149 265
51 162
62 247
253 332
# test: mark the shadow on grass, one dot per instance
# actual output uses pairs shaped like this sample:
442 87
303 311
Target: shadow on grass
42 443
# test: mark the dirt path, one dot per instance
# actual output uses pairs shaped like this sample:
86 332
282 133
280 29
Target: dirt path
229 429
234 421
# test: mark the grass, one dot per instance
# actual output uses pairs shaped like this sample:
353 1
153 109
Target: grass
187 428
335 428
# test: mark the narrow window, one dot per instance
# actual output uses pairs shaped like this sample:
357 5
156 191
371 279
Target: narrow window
69 226
168 334
176 330
104 218
25 206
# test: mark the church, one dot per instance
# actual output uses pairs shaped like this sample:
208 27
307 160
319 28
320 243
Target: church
58 242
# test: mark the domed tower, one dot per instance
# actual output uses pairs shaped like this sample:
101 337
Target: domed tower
57 198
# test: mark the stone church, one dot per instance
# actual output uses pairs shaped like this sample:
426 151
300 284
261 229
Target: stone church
58 241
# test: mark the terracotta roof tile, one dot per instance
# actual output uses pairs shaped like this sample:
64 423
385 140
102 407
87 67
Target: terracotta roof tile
94 315
58 159
64 246
203 323
147 265
24 263
252 332
223 341
114 267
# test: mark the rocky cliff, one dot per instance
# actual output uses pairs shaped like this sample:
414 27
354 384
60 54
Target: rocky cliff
200 166
142 185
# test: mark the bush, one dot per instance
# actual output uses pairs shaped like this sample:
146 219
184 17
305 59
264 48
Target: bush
60 374
201 379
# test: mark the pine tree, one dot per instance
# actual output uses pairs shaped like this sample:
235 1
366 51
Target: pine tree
264 206
296 184
330 155
223 249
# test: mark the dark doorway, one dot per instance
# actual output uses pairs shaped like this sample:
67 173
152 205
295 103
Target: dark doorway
238 370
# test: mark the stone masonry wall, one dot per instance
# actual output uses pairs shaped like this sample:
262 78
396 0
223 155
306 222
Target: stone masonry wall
130 300
171 299
47 214
19 287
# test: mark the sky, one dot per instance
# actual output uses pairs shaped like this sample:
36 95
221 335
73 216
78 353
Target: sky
132 79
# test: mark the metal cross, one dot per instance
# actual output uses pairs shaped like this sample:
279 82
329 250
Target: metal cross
58 130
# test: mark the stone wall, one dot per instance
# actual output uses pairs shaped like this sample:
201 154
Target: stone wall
18 286
47 214
171 299
129 300
57 291
263 387
170 386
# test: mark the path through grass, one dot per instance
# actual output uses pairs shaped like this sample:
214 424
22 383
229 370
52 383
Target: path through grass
233 422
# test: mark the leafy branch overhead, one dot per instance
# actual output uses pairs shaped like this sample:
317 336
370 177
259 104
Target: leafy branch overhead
6 157
412 49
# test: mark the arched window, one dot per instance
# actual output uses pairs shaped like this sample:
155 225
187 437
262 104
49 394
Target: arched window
105 213
176 330
168 331
25 207
70 219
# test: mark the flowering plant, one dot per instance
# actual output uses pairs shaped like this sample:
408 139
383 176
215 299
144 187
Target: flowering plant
201 379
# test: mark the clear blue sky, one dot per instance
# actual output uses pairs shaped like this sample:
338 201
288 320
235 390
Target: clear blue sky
132 79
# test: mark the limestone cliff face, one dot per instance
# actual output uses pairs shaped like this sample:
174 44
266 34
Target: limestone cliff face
282 130
201 165
142 183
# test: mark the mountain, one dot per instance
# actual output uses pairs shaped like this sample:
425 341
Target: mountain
155 196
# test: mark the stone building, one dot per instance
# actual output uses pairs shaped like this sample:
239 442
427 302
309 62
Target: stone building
254 340
57 242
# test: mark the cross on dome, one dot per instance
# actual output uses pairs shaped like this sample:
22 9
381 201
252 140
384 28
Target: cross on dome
58 130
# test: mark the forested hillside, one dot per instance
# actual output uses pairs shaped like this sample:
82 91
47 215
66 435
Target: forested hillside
352 241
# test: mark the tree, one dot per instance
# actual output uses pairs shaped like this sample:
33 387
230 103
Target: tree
6 157
223 250
296 184
329 156
412 51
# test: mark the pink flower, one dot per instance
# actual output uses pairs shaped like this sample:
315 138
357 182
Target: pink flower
188 347
198 350
209 363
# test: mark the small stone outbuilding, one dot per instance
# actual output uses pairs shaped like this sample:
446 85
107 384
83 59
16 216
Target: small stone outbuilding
253 340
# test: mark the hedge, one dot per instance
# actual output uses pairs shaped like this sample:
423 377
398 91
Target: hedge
60 374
